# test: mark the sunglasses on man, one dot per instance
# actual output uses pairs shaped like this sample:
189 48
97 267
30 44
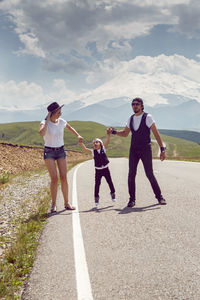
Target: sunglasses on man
136 104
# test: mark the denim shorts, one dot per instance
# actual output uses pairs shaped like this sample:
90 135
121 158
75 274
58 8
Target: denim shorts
54 153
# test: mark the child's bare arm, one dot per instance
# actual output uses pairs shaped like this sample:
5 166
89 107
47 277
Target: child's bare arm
85 148
108 139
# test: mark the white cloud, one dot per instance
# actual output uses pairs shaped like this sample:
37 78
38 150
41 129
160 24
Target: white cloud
20 95
54 26
61 92
31 45
24 95
148 77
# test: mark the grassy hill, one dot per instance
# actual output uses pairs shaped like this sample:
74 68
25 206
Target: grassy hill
181 149
182 134
26 133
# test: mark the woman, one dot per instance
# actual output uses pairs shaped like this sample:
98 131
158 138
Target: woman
52 130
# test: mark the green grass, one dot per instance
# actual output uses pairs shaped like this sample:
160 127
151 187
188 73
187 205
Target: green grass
23 133
4 178
180 148
26 133
19 257
193 136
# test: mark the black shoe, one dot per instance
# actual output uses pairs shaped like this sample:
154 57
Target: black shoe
162 201
131 203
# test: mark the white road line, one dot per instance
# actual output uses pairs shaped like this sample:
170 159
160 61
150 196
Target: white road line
84 291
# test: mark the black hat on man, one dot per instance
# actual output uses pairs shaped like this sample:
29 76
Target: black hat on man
53 107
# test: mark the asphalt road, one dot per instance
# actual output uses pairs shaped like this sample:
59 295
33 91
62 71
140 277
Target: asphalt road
141 253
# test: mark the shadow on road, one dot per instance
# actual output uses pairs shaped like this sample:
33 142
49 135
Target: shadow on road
49 214
97 210
127 210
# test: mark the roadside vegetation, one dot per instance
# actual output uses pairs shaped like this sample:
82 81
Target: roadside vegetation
19 255
21 225
4 177
18 258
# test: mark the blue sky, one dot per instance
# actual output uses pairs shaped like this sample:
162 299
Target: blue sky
91 50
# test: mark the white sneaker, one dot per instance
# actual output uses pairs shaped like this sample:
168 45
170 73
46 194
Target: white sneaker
113 197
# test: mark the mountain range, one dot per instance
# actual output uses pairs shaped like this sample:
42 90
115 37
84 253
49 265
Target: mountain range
179 113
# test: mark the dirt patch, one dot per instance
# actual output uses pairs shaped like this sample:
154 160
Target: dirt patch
15 159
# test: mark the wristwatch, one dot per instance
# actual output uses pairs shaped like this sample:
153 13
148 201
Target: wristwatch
162 149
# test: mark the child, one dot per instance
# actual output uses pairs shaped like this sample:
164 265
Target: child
101 166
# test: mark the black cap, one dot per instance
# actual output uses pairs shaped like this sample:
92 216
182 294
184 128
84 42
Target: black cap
53 107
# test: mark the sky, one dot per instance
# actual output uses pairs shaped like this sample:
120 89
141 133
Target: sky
92 50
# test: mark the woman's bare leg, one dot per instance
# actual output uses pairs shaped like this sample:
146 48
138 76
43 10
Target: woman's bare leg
62 167
51 166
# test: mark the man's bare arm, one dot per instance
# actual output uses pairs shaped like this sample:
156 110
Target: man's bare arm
124 132
159 140
157 135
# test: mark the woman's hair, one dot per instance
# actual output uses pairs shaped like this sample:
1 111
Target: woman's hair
52 113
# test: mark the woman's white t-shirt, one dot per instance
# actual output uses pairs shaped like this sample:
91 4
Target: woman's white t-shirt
54 136
137 121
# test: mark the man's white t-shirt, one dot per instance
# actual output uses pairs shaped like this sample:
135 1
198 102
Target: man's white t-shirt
137 121
54 136
98 150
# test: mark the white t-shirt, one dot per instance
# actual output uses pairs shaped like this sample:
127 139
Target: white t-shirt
54 136
137 121
98 150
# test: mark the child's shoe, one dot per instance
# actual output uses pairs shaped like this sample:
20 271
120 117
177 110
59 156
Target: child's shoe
96 199
113 197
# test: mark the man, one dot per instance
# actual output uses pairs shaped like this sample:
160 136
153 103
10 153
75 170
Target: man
140 124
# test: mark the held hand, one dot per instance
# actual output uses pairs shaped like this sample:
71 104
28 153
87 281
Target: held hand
162 156
109 130
80 138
